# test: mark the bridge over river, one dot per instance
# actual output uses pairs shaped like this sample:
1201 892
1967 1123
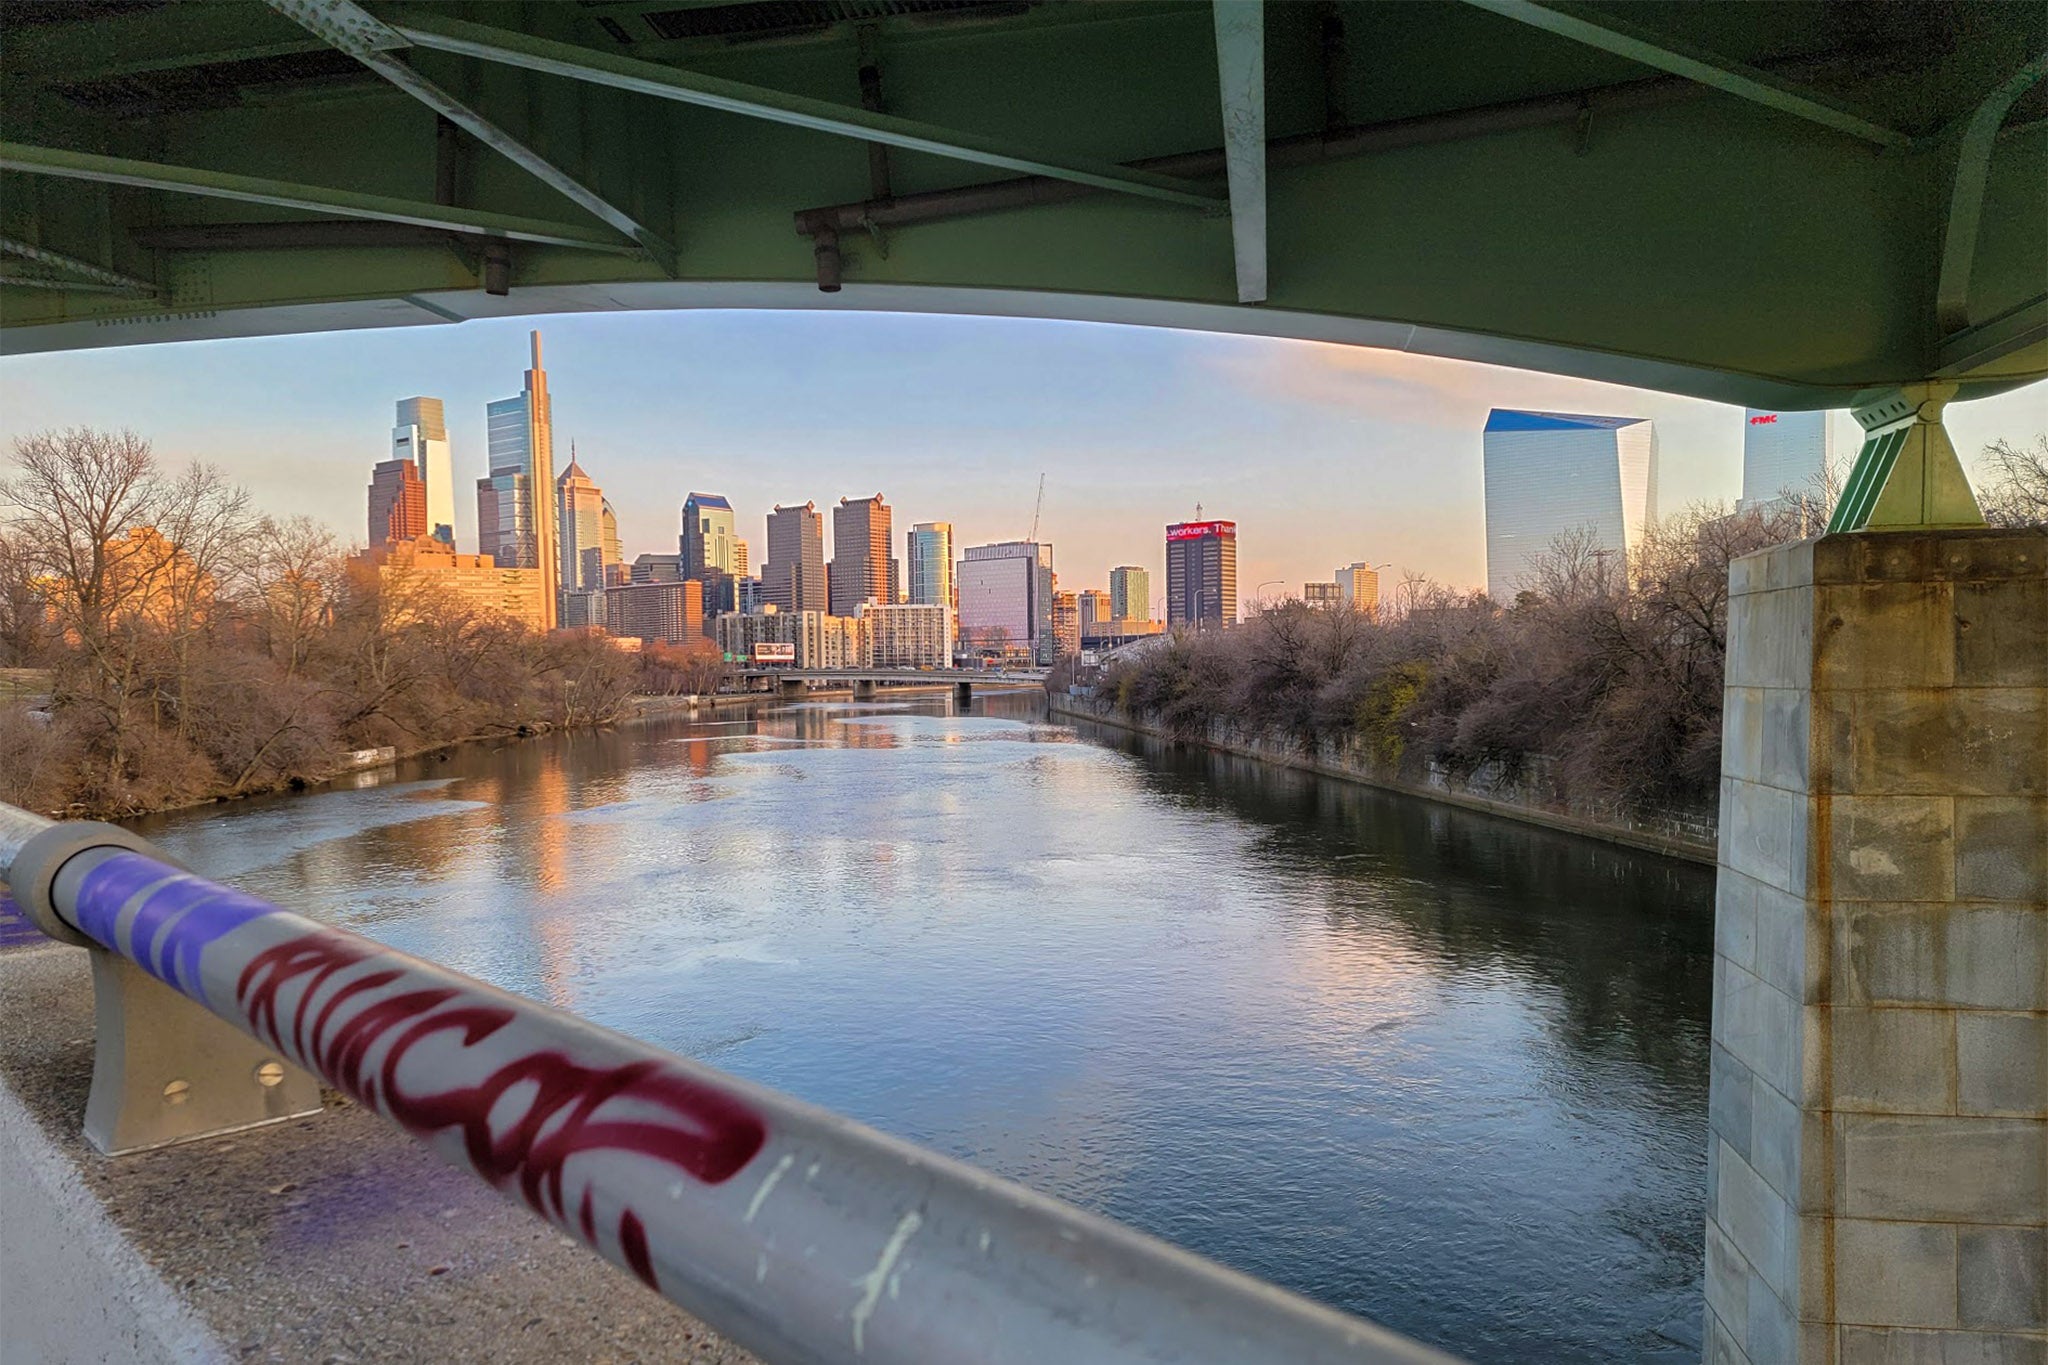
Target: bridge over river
1793 205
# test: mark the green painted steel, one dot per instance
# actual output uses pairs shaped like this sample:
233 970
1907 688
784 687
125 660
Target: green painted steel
1866 481
1439 179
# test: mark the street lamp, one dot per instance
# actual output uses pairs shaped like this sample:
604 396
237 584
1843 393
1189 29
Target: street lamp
1259 590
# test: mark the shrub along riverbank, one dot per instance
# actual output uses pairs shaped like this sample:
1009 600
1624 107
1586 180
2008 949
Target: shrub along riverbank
191 648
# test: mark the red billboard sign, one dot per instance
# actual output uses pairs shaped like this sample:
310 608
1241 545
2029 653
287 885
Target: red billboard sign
1195 530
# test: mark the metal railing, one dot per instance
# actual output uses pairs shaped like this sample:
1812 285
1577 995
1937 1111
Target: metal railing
800 1234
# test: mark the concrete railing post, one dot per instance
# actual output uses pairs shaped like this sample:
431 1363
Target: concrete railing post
1878 1149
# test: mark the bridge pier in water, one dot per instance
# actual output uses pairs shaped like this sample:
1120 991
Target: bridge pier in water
963 695
791 689
1877 1178
864 689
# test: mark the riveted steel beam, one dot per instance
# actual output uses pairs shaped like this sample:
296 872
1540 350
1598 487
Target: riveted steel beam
250 189
1241 76
1624 39
711 92
1973 143
110 279
350 28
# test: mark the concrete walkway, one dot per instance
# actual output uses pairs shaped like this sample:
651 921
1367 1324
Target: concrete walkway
333 1239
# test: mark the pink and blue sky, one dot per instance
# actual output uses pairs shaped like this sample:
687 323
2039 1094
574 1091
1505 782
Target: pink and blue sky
1322 454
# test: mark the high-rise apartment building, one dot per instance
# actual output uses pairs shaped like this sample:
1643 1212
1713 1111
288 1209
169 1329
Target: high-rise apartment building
1552 473
742 559
398 502
711 552
928 563
663 613
1201 574
1785 456
1066 623
908 634
421 435
515 511
861 566
1006 599
820 641
794 576
1096 612
1130 593
1358 587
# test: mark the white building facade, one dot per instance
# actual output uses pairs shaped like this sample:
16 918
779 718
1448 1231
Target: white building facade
908 634
1550 473
1785 456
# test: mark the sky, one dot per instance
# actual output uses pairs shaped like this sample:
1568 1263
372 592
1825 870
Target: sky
1324 455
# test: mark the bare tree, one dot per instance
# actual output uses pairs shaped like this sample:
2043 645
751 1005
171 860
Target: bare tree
2016 489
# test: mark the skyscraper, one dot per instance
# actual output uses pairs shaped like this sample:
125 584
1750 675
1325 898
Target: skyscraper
928 563
579 538
1549 473
1006 599
1784 455
398 502
1201 573
794 576
514 503
612 557
421 435
861 566
1130 593
711 550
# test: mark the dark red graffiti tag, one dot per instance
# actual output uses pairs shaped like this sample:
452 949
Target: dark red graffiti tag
670 1117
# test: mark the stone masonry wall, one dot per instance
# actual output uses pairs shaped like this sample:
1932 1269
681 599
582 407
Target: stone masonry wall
1878 1154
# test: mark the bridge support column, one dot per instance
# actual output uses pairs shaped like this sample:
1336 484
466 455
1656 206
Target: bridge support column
963 695
790 687
1877 1171
864 689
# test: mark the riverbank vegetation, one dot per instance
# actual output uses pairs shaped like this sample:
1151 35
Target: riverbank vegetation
1599 683
191 647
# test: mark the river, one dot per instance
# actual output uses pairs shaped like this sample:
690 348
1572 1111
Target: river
1433 1067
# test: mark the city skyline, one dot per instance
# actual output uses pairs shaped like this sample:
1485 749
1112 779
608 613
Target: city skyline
1322 454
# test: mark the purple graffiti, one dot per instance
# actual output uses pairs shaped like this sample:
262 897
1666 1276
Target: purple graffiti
178 916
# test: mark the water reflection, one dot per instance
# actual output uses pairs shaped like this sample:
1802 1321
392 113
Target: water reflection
1437 1068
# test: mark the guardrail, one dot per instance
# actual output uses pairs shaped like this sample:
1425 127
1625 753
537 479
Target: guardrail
800 1234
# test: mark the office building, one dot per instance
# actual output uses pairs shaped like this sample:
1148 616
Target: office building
664 613
928 563
655 569
398 502
579 530
1201 574
416 576
608 531
1006 600
861 566
1785 456
1358 587
794 576
1322 594
1130 593
711 552
1551 473
908 634
421 435
742 561
515 511
747 591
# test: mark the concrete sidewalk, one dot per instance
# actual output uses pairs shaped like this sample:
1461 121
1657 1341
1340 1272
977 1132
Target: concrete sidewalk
330 1239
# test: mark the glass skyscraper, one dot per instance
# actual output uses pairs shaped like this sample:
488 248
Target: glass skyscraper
1549 473
1784 455
515 502
711 552
421 435
928 560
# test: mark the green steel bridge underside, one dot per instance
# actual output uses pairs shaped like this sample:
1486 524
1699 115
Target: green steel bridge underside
1792 205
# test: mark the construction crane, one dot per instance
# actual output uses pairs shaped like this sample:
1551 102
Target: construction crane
1037 509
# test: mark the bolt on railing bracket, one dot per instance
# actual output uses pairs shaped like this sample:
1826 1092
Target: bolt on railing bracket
164 1070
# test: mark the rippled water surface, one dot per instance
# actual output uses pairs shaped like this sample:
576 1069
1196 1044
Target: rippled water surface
1446 1071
